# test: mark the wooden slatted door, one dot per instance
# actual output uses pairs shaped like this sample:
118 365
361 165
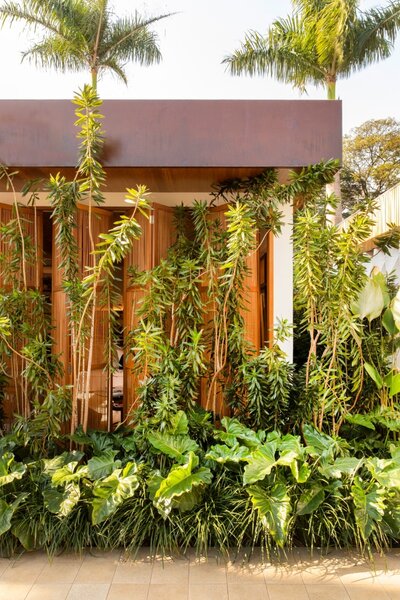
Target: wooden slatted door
158 235
99 403
250 313
140 258
32 226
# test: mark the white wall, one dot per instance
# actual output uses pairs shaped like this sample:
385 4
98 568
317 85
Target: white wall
283 275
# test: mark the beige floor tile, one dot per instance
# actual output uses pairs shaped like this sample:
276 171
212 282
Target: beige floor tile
96 570
358 576
171 571
210 572
287 592
50 591
23 572
60 572
320 574
247 573
208 591
327 592
14 591
88 591
252 591
4 564
133 572
282 574
168 591
393 594
366 592
128 591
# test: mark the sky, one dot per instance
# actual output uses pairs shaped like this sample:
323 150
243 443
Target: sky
193 43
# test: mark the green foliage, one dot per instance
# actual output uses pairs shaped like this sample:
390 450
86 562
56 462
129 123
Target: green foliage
371 161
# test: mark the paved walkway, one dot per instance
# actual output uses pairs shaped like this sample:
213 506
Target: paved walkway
340 576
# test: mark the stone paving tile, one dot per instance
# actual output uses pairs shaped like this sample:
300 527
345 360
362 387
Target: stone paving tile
49 591
88 591
60 572
133 572
208 591
96 570
168 591
14 590
210 572
170 571
327 592
128 591
253 591
366 592
284 591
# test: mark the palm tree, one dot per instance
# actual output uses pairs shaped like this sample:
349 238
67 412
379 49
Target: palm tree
323 41
81 34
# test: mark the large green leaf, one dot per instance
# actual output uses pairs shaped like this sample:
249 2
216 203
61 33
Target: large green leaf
9 469
179 481
260 463
348 465
112 491
62 502
375 376
310 500
369 507
388 322
68 473
235 431
179 424
385 471
223 454
291 454
7 511
104 464
360 419
394 385
372 299
274 508
51 465
175 446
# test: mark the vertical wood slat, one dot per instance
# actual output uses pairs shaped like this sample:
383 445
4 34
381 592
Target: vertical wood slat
32 225
141 258
99 393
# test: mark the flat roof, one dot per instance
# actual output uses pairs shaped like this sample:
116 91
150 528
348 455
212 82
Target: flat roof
176 133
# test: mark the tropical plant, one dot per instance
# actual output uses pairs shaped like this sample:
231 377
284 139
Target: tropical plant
371 160
84 34
319 43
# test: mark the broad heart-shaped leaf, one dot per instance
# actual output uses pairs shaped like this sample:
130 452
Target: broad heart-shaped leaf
9 469
310 500
260 463
62 502
69 473
369 507
102 465
362 420
290 453
223 454
51 465
234 431
274 508
348 465
385 471
180 480
375 376
318 441
372 298
394 385
112 491
179 424
175 446
7 511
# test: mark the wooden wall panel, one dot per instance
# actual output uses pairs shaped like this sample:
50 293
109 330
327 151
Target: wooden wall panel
99 384
141 259
164 231
32 226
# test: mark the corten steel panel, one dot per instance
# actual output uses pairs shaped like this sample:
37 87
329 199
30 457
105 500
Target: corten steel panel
176 133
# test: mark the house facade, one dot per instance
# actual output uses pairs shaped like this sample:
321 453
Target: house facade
179 149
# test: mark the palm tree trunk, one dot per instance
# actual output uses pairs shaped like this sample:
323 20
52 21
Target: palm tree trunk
334 187
94 79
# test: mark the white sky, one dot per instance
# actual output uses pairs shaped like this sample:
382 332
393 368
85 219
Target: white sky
193 43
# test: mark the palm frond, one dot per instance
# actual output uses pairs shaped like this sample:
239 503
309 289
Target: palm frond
55 52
